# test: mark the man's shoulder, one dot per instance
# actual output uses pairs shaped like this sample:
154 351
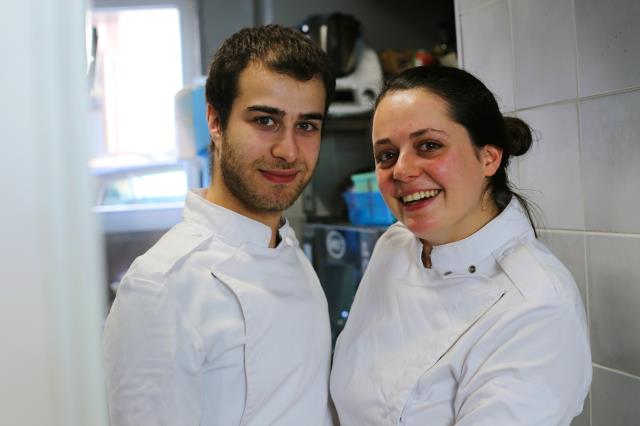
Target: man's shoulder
173 247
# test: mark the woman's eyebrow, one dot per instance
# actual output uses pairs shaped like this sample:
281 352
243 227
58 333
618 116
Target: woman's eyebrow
412 135
421 132
383 141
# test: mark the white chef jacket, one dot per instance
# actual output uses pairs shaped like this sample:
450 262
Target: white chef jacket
495 333
213 327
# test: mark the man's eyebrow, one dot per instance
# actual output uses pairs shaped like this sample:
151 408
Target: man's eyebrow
312 116
266 109
280 113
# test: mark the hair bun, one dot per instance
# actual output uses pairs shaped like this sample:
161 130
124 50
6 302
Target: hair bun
519 136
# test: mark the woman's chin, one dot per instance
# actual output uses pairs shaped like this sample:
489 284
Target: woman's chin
423 229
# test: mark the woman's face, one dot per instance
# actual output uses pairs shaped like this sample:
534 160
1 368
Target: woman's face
430 174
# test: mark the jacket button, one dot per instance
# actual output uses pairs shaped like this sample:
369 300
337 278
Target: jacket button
472 269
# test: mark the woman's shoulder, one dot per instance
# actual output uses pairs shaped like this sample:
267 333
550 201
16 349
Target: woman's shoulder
539 275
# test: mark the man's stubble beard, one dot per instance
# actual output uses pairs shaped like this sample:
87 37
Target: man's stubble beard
266 197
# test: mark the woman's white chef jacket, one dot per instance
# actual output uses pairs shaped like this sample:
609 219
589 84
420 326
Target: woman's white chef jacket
212 327
493 334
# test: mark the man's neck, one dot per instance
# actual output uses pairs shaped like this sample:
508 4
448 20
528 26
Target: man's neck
218 196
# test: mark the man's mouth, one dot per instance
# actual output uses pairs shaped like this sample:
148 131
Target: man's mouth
279 175
419 196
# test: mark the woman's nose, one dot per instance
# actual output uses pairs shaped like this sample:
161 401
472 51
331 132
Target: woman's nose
406 167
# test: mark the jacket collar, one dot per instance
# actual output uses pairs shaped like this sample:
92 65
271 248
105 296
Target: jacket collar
234 228
472 254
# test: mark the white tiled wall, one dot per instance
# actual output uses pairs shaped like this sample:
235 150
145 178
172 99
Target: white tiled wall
550 171
570 248
610 129
571 69
487 42
544 51
608 45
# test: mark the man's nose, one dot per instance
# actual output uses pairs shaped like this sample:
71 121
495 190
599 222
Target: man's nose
286 147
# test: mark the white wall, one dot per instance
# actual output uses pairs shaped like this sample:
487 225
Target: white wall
50 299
571 69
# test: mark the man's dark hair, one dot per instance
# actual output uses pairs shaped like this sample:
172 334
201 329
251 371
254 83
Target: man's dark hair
284 50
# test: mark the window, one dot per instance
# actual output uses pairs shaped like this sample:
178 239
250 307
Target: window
143 185
138 71
145 54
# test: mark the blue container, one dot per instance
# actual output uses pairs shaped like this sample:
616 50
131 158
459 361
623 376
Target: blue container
367 208
365 182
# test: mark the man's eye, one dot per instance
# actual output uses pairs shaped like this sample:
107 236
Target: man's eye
265 121
308 126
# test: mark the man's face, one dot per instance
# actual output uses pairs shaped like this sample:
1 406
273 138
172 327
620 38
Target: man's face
269 149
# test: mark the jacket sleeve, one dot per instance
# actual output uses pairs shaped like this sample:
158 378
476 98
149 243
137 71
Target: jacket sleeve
532 367
151 359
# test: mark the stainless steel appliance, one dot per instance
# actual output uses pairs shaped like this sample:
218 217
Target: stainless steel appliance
340 255
358 69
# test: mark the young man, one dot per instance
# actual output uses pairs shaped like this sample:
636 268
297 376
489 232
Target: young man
223 321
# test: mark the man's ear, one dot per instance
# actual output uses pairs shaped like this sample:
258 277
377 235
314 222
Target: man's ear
215 128
490 156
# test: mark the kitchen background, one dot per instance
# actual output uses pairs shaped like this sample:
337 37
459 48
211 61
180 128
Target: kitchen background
571 68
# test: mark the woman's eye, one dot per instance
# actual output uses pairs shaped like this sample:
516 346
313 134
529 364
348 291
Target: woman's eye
385 157
429 146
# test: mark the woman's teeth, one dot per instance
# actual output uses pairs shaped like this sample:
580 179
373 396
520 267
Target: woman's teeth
420 195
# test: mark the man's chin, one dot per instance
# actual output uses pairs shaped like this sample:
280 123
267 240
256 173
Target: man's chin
286 198
275 204
281 204
260 196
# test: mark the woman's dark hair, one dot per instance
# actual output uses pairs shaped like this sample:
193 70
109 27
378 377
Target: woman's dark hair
474 107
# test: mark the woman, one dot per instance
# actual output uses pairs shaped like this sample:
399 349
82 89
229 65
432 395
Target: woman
463 317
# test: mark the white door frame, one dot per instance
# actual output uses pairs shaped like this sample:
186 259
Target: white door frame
52 292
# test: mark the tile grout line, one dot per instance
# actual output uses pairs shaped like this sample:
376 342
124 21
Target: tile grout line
513 55
579 99
585 249
457 9
588 233
516 160
577 50
613 370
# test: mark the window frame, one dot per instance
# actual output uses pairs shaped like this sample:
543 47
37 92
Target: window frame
189 34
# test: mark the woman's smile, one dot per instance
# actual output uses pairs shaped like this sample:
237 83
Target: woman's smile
430 174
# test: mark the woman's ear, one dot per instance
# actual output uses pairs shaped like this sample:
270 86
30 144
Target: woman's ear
213 122
490 156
